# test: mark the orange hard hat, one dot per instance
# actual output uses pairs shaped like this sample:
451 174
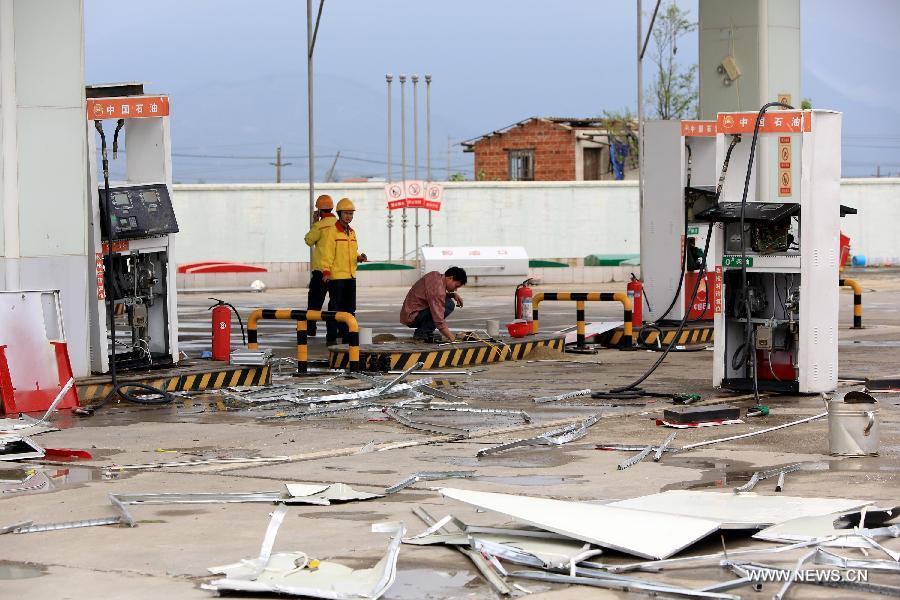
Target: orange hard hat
345 204
324 202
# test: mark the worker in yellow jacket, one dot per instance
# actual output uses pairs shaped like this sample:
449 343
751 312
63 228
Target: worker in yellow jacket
339 256
323 219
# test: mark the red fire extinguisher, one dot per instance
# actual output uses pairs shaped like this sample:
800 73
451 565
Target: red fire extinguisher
635 294
523 300
221 329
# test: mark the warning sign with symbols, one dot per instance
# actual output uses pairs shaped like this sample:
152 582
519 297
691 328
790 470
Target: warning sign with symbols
784 166
434 193
395 197
415 194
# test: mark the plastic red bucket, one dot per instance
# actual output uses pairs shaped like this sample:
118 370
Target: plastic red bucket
519 329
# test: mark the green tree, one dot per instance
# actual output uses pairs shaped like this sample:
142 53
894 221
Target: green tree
673 90
458 177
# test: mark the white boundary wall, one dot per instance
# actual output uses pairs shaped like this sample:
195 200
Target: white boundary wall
265 223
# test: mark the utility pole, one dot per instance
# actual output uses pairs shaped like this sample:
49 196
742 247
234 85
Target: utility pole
390 217
403 156
448 158
329 176
428 141
278 164
415 86
640 116
311 32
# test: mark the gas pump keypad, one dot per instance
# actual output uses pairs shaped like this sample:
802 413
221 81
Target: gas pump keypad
139 211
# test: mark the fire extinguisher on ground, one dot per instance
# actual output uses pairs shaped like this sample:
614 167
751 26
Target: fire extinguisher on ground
636 295
523 298
221 329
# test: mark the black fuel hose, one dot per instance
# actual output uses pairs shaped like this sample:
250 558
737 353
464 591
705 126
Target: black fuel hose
633 385
162 396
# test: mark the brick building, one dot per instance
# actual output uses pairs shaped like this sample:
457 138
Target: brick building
545 149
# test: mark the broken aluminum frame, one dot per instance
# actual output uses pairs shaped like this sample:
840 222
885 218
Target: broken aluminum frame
250 357
484 566
486 411
752 433
428 476
630 462
123 518
320 494
561 397
18 447
368 394
653 566
630 447
539 553
664 446
554 437
395 414
621 584
824 557
763 475
197 462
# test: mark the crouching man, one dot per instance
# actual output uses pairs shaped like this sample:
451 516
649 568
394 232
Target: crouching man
430 300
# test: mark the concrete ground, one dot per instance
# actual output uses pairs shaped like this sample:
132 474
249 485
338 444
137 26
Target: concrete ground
168 553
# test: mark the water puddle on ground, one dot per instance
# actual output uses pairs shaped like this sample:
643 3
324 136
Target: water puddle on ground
19 570
871 343
436 584
41 479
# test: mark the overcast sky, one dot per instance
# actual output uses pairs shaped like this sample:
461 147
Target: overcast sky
236 74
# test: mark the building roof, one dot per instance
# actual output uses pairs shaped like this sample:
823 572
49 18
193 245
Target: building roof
597 123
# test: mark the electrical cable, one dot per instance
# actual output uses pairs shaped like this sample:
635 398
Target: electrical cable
734 142
750 360
163 397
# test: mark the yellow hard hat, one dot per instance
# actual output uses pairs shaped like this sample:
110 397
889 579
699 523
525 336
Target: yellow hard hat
345 204
324 202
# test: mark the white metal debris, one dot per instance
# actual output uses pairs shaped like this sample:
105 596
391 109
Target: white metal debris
18 447
630 531
428 476
294 573
741 511
554 437
561 397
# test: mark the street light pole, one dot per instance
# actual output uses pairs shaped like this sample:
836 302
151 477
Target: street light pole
390 218
403 155
309 107
415 87
428 141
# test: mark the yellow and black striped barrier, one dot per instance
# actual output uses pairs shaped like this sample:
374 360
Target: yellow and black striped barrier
303 317
91 390
580 298
857 300
391 357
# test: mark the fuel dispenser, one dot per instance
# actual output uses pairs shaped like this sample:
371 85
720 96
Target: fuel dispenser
776 262
680 161
134 318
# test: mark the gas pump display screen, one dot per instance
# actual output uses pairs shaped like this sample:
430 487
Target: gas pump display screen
138 211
